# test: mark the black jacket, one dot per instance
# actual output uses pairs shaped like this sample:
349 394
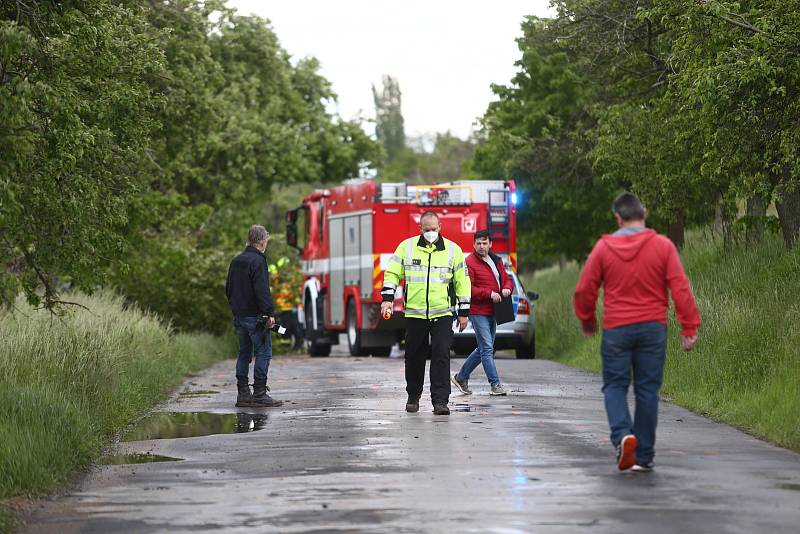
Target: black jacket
247 287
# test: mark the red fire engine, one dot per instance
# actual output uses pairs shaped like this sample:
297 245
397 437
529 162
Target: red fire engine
346 235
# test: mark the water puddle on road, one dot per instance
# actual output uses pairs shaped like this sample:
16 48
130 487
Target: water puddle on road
464 407
171 425
120 459
196 393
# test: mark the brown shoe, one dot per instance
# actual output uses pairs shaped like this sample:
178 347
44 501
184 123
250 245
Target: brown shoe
441 409
412 405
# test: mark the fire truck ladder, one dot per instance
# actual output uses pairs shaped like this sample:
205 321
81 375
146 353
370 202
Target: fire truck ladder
499 216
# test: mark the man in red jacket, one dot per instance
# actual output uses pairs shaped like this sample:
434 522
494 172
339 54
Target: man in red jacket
635 266
489 281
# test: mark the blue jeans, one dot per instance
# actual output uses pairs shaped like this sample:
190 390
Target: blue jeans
485 328
637 349
253 339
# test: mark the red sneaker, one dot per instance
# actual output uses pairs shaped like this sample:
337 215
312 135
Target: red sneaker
626 453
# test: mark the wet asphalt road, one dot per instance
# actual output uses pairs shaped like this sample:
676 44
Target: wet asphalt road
343 456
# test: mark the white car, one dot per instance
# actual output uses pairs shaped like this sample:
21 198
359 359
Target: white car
519 334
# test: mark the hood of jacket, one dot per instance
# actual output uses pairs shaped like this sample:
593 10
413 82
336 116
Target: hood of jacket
627 247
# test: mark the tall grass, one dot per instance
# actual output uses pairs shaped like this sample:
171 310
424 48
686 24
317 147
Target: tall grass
67 384
745 369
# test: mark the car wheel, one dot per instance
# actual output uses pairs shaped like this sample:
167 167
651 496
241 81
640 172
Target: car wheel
527 351
382 352
315 350
353 333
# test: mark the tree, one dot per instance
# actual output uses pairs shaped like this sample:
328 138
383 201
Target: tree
76 111
389 128
738 64
536 133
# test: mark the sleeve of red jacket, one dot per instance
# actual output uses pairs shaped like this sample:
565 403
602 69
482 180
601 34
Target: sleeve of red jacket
478 293
585 298
506 282
685 305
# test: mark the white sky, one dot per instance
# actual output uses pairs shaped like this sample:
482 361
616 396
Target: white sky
444 53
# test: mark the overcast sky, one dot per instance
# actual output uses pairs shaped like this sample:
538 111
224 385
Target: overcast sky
444 53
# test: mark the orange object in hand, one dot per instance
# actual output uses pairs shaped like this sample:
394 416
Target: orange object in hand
387 314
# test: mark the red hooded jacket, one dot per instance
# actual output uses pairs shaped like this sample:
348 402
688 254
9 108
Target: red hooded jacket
484 282
635 271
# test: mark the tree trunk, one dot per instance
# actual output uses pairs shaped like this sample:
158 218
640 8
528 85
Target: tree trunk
675 230
722 221
788 206
562 262
756 217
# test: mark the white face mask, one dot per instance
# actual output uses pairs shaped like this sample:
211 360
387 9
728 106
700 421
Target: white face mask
431 237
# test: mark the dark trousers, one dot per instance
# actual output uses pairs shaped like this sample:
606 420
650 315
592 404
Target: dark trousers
429 337
637 349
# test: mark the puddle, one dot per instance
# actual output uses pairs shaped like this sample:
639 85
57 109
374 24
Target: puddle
137 458
171 425
463 407
793 487
197 393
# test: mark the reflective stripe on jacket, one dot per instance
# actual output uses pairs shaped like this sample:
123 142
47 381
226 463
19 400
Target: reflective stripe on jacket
436 279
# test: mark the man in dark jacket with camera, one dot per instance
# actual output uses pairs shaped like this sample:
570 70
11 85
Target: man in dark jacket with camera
247 289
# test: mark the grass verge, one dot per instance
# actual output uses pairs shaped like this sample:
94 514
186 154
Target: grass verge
746 366
68 383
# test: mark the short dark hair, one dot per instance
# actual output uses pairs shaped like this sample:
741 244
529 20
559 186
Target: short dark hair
482 234
628 207
429 213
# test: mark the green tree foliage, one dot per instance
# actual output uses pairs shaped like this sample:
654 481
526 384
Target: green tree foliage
389 124
535 133
738 63
77 108
449 159
690 104
144 138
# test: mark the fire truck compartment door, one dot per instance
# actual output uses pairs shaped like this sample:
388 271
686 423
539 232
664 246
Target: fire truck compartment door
365 255
336 290
352 244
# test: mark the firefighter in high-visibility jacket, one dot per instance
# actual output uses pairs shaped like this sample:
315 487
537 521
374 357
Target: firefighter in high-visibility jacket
437 286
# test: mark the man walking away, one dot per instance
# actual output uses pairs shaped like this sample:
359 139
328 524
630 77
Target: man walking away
432 267
635 266
247 289
489 281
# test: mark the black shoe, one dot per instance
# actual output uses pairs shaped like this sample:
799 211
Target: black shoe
260 397
441 409
245 397
412 405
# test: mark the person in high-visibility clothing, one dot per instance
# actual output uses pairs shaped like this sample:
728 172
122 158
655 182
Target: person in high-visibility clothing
437 286
287 283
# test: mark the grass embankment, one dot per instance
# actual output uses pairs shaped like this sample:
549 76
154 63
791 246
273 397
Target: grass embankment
67 384
745 369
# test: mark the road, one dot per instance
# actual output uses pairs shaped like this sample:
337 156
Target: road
343 456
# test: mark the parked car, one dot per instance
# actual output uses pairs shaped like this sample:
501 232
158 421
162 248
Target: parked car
519 334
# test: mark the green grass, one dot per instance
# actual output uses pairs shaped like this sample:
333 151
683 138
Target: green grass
745 369
67 384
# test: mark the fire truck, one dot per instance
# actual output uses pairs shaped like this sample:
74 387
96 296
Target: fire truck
346 235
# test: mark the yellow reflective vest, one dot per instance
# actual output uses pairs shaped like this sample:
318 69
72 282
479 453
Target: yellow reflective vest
436 279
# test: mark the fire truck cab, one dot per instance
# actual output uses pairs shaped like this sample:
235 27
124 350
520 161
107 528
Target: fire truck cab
346 235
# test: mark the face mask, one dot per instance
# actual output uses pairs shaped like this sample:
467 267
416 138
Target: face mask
431 237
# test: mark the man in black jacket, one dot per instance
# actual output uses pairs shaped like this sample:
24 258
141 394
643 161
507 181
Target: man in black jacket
247 289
